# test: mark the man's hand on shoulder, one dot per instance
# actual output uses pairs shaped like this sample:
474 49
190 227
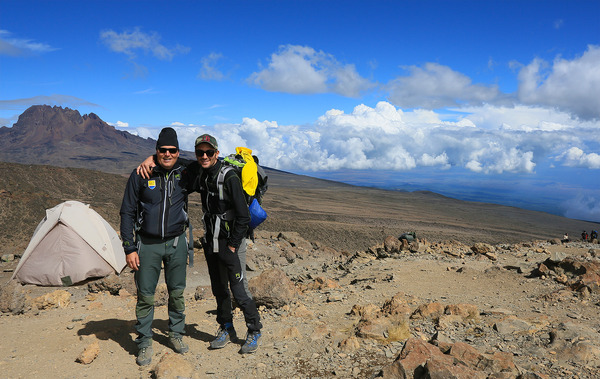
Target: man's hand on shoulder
145 168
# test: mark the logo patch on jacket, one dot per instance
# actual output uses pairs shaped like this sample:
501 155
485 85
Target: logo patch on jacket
151 184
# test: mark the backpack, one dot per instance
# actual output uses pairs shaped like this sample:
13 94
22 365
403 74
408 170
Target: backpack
410 236
253 178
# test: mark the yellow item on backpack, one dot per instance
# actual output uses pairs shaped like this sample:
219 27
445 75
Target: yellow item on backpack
249 171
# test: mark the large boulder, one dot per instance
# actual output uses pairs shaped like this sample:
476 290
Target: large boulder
272 288
412 359
576 343
489 363
383 329
295 240
13 299
113 284
419 359
431 311
392 245
580 274
385 324
485 249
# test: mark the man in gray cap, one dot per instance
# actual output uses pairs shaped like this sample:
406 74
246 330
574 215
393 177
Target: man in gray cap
226 220
153 224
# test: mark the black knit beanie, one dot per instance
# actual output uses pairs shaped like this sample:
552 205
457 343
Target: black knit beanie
167 137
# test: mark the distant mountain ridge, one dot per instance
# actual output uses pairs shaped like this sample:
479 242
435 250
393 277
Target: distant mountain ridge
63 137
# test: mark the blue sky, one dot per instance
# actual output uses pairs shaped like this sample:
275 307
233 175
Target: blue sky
500 98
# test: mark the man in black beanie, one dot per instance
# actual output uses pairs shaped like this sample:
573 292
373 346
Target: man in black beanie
153 224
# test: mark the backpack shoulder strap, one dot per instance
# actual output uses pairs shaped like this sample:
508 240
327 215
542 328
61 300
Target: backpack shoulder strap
221 179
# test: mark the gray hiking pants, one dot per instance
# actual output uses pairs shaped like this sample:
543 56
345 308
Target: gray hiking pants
155 252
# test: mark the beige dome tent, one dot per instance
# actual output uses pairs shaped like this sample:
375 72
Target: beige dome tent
71 244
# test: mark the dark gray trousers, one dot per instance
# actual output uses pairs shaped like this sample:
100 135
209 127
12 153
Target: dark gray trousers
154 253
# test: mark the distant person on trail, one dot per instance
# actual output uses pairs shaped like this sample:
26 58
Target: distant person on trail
565 238
153 225
594 235
226 222
584 236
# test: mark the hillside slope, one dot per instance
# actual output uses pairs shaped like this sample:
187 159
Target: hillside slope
341 216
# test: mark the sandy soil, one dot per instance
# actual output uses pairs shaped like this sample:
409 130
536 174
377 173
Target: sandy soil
295 344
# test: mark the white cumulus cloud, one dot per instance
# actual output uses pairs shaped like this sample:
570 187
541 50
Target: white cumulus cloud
120 124
303 70
436 86
570 85
575 157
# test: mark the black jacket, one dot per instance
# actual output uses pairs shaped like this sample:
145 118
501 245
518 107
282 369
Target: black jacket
235 228
156 206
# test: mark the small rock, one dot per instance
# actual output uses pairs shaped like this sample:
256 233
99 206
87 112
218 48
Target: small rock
335 297
557 256
202 293
90 353
292 332
512 325
350 344
173 365
56 299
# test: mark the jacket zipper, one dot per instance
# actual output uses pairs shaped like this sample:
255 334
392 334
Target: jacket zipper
207 202
164 215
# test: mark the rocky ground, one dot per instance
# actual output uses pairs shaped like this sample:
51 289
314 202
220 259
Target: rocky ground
433 309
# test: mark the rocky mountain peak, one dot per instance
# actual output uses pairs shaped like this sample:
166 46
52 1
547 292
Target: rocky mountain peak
63 137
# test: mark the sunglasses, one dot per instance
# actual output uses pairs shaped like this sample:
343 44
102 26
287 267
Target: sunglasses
172 150
209 153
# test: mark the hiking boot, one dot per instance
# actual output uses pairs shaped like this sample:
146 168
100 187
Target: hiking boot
144 356
251 344
224 336
178 345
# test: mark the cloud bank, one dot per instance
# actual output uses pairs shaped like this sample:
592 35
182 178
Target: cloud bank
488 139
